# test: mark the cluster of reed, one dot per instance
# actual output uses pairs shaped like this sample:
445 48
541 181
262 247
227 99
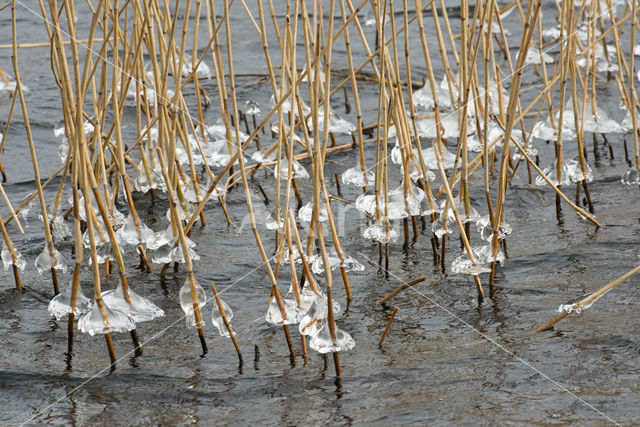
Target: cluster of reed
140 51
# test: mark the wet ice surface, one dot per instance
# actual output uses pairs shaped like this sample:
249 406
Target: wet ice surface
433 369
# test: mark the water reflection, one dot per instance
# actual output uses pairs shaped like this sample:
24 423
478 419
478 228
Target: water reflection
256 358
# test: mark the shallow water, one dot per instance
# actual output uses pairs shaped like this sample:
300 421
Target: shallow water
447 359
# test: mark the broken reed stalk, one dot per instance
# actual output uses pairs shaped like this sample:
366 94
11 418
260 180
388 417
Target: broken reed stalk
386 330
578 209
402 288
586 302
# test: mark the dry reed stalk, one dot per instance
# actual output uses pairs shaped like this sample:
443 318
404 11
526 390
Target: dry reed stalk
371 55
487 54
386 330
491 12
320 145
282 132
3 76
119 158
438 148
265 48
240 159
412 112
402 288
378 174
633 97
194 181
512 71
220 80
356 97
580 132
443 51
464 85
14 255
78 246
3 138
104 157
305 265
566 26
282 135
533 11
321 160
292 263
336 242
32 151
11 210
173 205
42 44
83 171
136 220
386 109
232 334
257 129
548 98
291 35
586 302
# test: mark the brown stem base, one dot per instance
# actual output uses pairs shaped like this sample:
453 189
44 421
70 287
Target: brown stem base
443 249
16 276
54 280
336 363
112 353
203 342
292 351
136 342
345 280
